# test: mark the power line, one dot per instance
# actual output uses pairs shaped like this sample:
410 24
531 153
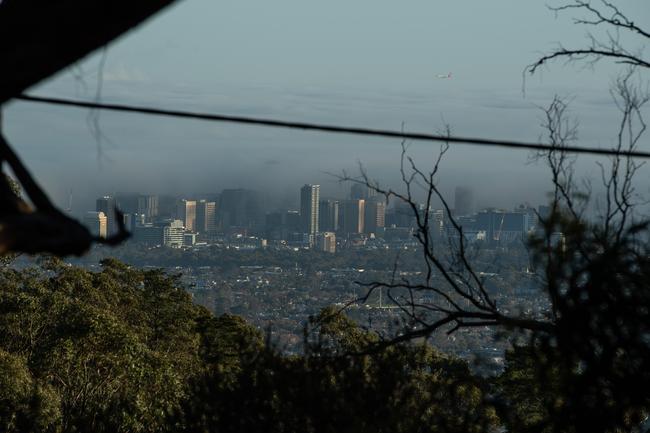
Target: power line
329 128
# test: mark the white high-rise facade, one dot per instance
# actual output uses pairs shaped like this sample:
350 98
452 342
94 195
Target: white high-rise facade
173 234
309 201
186 212
97 223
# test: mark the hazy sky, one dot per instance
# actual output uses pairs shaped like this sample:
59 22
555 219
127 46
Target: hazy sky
367 63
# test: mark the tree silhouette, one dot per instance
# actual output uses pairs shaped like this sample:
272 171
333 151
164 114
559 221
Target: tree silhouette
38 39
589 354
615 22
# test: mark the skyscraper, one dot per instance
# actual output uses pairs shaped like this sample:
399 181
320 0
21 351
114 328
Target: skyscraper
543 211
327 242
374 215
359 191
292 220
309 201
173 234
463 201
107 205
354 216
240 208
166 206
96 223
503 226
149 234
437 222
127 202
401 215
148 206
186 212
328 216
205 216
129 220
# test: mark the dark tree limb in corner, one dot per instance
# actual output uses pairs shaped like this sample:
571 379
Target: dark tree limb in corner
611 19
43 228
39 38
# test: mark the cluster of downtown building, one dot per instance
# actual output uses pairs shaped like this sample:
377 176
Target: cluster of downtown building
237 218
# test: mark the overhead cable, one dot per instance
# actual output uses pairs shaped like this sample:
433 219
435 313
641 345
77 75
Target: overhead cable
332 128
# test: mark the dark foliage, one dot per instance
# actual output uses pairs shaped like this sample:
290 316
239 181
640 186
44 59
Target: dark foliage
126 350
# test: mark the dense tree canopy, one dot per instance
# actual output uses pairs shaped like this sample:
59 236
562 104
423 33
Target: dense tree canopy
126 350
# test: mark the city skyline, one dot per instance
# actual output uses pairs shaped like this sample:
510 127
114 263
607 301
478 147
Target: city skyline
329 224
289 216
484 98
147 202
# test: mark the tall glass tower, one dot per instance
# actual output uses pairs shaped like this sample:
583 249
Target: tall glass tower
309 200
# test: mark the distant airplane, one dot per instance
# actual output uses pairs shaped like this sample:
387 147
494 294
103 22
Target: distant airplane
444 76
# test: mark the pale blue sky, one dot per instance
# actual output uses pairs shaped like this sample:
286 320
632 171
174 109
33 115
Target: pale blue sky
367 62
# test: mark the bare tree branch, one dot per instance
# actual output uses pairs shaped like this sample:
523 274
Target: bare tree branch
456 294
608 16
44 228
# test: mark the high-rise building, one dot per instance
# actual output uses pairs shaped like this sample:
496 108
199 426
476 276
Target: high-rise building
327 242
205 216
173 234
354 216
401 214
532 216
273 220
96 223
543 212
127 202
273 225
437 222
129 221
328 215
186 212
148 206
502 226
309 201
463 201
374 215
240 208
359 191
148 233
166 206
107 206
292 220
